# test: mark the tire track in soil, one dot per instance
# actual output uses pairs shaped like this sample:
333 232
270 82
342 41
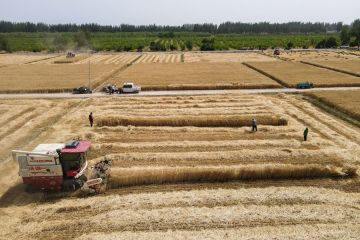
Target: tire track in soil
77 229
16 115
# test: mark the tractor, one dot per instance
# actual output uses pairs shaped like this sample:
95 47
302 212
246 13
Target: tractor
304 85
61 167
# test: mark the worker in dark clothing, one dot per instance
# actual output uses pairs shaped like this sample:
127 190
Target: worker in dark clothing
306 132
91 119
254 125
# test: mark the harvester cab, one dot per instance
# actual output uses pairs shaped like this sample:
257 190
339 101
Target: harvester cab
58 167
74 164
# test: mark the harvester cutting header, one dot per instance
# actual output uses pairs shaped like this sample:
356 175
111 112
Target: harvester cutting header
61 167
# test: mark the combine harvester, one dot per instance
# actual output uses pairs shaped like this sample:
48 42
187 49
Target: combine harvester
62 167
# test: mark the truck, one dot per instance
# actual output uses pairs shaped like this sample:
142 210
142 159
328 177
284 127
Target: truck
61 167
130 88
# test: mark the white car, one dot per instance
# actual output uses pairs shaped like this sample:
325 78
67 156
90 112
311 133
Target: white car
130 88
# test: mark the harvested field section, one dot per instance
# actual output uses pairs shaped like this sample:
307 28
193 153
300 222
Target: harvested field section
291 73
194 76
226 57
344 101
188 181
11 59
66 60
121 58
61 77
352 67
160 58
301 210
317 55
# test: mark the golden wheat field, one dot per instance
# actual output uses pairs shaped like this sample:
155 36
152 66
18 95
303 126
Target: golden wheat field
160 58
194 76
199 174
122 58
25 58
52 77
291 73
226 57
345 101
348 66
66 60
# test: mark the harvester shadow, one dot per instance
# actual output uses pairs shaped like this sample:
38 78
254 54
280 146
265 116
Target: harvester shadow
18 196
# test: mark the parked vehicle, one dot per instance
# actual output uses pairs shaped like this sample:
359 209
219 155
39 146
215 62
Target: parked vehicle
130 88
111 89
82 90
305 85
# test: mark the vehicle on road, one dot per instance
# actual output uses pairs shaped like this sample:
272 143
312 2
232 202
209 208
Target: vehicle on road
111 89
305 85
130 88
82 90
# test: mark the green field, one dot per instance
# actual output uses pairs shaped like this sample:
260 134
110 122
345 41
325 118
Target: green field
142 41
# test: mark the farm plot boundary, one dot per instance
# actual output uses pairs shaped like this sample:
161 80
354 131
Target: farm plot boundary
331 68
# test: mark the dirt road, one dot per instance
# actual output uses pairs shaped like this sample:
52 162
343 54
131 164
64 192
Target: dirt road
174 93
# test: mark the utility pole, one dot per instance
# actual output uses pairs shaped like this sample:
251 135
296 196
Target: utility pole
89 77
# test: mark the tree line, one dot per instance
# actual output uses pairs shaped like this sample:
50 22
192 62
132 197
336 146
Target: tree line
223 28
350 35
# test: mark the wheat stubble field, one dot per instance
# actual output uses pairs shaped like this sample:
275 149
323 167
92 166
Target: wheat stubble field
21 73
318 55
291 73
197 75
198 173
345 101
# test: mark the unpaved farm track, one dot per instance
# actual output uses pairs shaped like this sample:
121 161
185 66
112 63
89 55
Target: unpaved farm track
173 93
303 208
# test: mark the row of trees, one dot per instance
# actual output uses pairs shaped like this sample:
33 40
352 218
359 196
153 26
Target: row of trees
228 27
350 35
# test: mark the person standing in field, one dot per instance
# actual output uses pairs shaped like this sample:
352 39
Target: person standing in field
91 119
306 132
254 125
